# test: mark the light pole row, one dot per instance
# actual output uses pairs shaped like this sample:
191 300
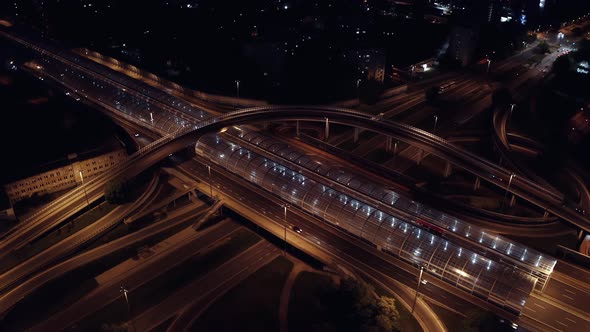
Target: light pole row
285 207
417 288
210 181
129 321
512 176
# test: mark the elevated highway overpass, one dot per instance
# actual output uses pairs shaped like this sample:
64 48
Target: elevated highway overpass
187 135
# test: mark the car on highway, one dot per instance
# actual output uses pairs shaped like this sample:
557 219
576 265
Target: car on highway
574 206
297 229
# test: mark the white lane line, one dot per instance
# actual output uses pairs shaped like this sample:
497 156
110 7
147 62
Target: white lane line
571 320
569 297
558 322
569 291
540 306
531 309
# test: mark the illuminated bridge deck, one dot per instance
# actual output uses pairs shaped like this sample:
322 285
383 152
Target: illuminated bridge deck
503 282
506 282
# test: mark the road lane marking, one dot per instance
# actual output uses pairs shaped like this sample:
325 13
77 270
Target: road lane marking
571 320
558 322
569 291
540 306
569 297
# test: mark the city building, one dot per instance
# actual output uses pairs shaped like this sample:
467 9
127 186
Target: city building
462 43
369 63
63 177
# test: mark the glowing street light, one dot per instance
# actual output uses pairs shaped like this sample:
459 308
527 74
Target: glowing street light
125 291
358 94
489 62
84 188
417 288
435 121
285 207
210 181
512 176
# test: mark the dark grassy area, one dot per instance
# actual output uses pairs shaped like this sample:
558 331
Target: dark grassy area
452 320
304 304
79 221
49 299
53 296
164 326
253 305
57 235
163 285
6 225
28 206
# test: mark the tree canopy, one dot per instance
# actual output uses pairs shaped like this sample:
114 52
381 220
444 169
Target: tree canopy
542 48
118 191
354 306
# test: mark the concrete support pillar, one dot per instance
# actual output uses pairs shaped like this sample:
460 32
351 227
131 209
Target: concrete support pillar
419 158
265 125
297 128
356 134
581 235
388 144
327 130
448 169
476 184
546 214
512 200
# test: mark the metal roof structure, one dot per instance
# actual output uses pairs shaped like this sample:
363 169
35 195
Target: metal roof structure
343 175
504 282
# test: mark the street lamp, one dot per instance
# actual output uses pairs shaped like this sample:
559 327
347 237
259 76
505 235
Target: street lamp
394 152
358 93
125 291
210 181
511 109
285 207
417 288
84 188
507 189
238 89
489 62
435 121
